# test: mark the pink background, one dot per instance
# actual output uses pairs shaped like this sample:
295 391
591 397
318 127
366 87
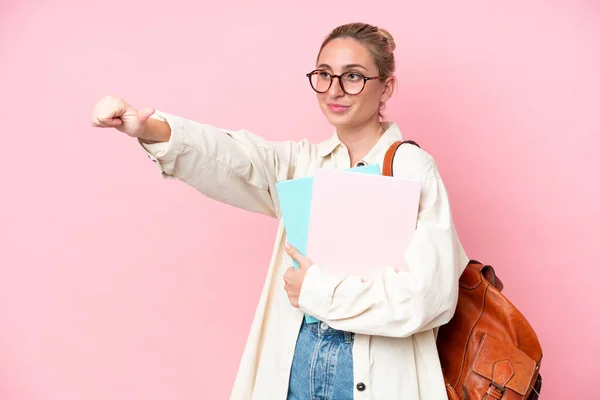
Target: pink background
118 285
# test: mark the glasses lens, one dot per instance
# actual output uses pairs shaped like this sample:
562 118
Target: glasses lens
320 81
353 82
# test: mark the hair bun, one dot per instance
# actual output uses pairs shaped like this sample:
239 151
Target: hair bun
388 37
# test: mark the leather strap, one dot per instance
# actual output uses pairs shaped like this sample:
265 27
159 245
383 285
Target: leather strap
388 160
488 273
502 373
451 393
388 170
493 393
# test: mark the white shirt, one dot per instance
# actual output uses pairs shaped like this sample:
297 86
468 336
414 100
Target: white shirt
394 317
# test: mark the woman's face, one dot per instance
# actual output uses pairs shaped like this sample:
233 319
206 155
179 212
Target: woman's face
341 109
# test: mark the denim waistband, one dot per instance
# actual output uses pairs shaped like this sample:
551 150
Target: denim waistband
322 329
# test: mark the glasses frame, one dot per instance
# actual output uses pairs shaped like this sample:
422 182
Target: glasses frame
365 79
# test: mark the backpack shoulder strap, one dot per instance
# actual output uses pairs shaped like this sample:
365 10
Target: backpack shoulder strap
488 273
388 161
486 270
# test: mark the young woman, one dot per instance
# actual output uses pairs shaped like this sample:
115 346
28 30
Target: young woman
375 339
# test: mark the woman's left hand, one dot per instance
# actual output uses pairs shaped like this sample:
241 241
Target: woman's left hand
294 278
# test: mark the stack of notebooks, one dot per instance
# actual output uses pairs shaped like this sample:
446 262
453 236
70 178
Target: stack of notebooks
353 222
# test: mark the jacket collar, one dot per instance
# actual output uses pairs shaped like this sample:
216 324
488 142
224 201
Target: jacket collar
390 135
327 147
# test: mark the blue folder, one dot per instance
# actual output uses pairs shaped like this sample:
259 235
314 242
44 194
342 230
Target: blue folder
295 199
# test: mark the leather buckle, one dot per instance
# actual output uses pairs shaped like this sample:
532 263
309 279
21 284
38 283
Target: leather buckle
495 391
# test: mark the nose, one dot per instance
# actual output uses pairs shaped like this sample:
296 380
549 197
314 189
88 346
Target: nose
336 88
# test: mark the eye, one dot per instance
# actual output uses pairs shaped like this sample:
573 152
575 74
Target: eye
323 74
353 76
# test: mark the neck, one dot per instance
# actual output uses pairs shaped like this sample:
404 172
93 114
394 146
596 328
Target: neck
360 139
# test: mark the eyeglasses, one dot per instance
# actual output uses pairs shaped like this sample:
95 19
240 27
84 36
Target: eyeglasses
352 83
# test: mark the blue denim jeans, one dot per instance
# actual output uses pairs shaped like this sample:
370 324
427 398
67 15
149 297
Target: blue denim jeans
322 364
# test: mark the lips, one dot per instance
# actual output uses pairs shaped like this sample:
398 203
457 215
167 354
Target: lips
337 108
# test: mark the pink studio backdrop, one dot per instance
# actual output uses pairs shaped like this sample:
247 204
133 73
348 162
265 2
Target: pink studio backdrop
115 284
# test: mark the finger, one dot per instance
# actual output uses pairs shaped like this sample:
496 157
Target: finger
302 260
293 252
111 123
107 123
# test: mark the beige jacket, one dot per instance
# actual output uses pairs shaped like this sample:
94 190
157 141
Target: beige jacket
394 316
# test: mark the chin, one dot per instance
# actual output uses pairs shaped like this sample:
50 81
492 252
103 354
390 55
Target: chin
338 120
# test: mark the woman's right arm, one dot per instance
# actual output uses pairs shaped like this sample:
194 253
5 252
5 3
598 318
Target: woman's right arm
234 167
157 131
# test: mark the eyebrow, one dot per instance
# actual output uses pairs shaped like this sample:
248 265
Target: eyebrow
344 67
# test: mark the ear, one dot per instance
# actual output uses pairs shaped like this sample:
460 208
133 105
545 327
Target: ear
388 88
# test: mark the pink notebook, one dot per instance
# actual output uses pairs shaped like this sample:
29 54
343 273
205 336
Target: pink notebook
361 224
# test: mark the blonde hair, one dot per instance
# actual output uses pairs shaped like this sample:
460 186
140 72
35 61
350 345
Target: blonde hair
378 41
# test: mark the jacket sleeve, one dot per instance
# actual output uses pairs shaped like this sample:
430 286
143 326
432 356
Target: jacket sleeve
397 303
234 167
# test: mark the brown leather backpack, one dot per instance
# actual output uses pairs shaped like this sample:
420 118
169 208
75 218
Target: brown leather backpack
488 350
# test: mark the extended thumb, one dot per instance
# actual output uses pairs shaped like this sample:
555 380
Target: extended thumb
145 113
294 253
